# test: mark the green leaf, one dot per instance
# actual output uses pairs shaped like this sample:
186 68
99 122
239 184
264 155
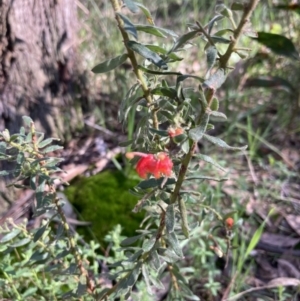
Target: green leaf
146 12
211 23
266 81
150 29
170 218
221 40
219 115
131 240
132 6
185 147
209 160
39 256
216 80
126 143
156 282
27 120
11 235
21 242
238 5
222 32
135 256
128 26
211 56
154 260
200 177
162 91
159 132
145 274
39 233
154 30
293 7
158 72
151 183
45 142
51 148
29 292
257 235
149 243
197 133
110 64
147 53
278 44
222 143
162 50
184 220
181 41
168 255
173 241
215 104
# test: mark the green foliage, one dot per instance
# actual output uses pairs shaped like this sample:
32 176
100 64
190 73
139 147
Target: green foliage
181 207
278 44
105 201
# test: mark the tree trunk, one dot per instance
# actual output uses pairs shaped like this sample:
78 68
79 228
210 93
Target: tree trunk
39 72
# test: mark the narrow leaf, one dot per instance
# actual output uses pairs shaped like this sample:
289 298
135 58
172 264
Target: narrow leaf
162 91
219 115
151 30
197 133
151 183
211 23
132 6
51 148
44 143
148 54
184 220
181 41
278 44
11 235
174 243
257 235
130 240
159 132
211 56
216 80
273 82
149 243
27 120
292 7
39 233
21 242
110 64
162 50
209 160
146 12
170 218
222 143
128 26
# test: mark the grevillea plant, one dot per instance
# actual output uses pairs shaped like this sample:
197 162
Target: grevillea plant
175 112
173 117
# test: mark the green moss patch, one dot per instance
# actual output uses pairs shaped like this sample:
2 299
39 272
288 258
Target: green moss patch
104 200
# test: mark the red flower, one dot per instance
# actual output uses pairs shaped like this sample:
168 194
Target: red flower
157 165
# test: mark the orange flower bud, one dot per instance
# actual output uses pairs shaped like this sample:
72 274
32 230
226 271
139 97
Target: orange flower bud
229 222
175 131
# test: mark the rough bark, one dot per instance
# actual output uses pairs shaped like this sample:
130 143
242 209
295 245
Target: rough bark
39 70
39 73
